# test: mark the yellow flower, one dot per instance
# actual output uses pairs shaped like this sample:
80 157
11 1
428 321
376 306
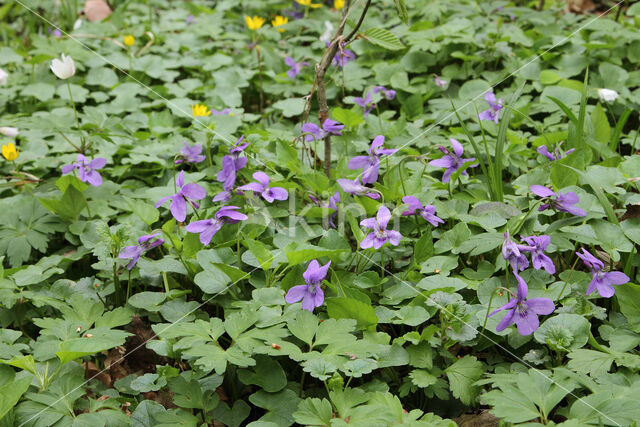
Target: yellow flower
253 23
129 40
10 152
200 110
279 21
309 4
338 4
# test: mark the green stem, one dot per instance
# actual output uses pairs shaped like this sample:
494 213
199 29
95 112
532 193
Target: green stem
166 282
404 189
128 287
486 317
116 284
75 113
597 345
569 279
208 153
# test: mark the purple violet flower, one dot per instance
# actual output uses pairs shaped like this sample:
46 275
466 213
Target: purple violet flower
538 258
224 112
145 243
366 103
452 161
428 212
87 169
188 192
190 154
561 202
231 164
370 164
262 186
332 203
343 56
387 93
494 108
380 235
311 294
295 13
514 254
439 81
209 227
357 189
295 67
602 280
556 155
313 131
524 313
238 147
189 19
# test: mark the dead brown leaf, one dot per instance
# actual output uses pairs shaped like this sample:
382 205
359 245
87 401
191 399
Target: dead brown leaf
482 419
580 6
92 371
96 10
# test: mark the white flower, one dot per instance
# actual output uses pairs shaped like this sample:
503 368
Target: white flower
63 69
328 32
9 131
608 95
77 24
3 77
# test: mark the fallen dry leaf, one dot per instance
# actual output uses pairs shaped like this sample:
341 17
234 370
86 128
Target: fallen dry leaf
580 6
96 10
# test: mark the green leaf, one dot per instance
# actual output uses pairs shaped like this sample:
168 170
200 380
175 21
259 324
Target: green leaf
298 253
290 107
314 412
422 378
149 301
383 38
23 362
144 211
11 392
401 8
628 296
304 326
148 382
349 118
590 361
74 348
261 252
601 124
462 376
69 206
348 308
564 332
267 374
548 77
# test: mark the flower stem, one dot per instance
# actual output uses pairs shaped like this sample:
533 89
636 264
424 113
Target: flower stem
486 317
166 282
116 284
208 153
569 279
128 287
75 113
260 79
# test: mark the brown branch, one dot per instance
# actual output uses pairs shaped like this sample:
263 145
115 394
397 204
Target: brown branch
357 27
336 43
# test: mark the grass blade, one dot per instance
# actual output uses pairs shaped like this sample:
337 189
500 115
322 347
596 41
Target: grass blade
502 137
